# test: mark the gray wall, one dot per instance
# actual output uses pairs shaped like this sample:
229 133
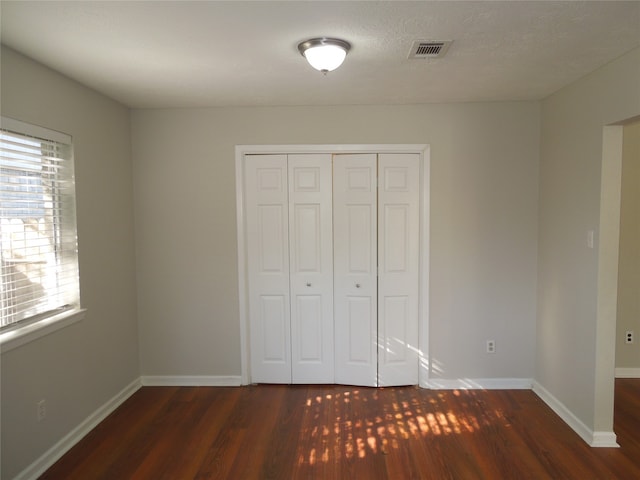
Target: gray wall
571 156
484 187
79 368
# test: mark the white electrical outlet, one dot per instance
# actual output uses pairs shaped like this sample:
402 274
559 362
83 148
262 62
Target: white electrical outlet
628 337
41 410
491 346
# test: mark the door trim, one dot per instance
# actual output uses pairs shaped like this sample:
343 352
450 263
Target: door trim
424 152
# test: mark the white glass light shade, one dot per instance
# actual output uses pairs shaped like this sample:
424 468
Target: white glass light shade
325 57
324 54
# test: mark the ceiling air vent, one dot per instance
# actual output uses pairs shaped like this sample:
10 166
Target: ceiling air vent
429 49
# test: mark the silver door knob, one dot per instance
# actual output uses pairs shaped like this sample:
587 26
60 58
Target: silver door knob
308 284
357 285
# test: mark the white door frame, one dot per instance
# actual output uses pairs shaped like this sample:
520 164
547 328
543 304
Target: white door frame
425 165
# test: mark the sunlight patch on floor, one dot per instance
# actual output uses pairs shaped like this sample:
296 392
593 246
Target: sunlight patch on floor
354 435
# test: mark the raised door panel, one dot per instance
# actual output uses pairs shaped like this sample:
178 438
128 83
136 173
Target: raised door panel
273 325
355 251
310 328
360 247
270 239
307 237
394 331
359 351
397 234
311 268
268 267
398 263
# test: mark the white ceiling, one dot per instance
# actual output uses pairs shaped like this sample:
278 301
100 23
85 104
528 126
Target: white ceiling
209 53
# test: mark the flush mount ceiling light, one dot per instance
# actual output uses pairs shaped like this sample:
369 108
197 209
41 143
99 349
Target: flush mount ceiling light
324 54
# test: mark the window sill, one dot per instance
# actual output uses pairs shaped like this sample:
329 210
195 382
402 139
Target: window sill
20 336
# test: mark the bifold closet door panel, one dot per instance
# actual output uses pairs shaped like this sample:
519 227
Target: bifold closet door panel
398 268
355 252
333 268
311 268
267 227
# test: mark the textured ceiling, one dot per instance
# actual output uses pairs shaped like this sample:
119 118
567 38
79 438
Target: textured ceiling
185 54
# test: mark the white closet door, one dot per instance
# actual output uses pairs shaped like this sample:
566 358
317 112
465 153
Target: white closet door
398 268
267 228
311 267
355 251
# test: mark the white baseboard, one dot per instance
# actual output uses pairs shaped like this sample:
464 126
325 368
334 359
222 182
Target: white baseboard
479 384
593 438
191 381
604 439
627 372
52 455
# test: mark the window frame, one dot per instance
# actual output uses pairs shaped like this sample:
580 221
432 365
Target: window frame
45 323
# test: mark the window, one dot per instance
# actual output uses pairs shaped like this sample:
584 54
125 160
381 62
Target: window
39 255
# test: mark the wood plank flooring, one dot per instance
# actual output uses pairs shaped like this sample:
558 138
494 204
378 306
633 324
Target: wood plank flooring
339 432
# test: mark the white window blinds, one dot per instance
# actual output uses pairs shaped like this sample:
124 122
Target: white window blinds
38 223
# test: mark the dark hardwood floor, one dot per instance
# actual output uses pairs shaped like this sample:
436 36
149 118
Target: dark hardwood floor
339 432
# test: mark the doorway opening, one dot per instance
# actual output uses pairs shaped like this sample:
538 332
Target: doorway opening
608 262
